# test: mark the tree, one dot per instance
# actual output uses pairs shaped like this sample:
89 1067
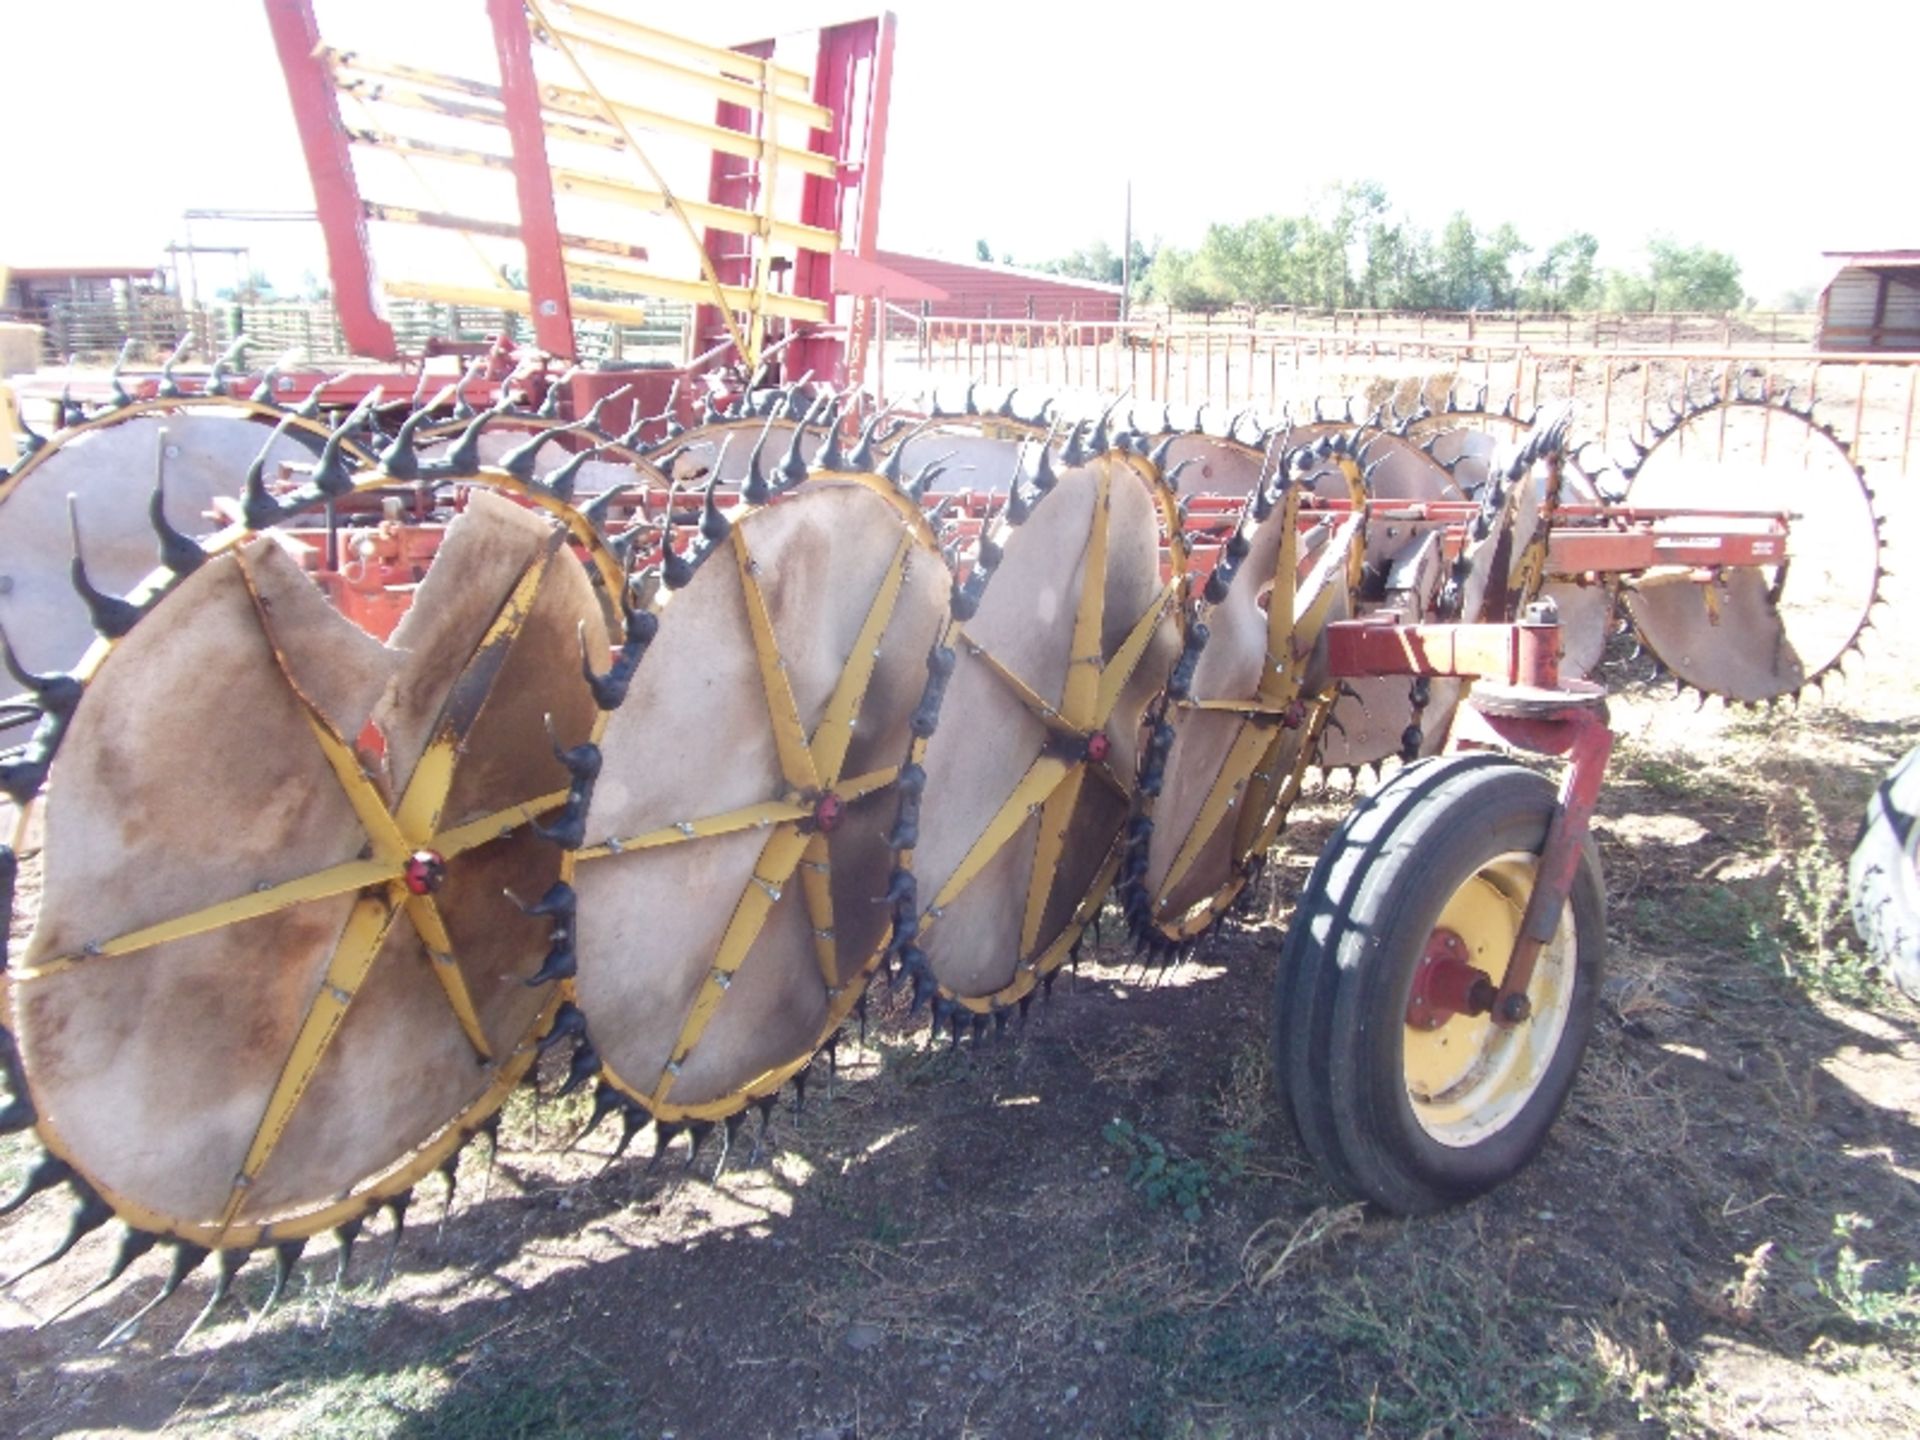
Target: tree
1692 277
1457 264
1564 277
1497 254
1678 277
983 251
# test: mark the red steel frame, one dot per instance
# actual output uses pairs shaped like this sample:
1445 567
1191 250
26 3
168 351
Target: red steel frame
853 77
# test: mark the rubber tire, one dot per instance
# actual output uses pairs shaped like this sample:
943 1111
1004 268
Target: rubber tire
1883 875
1347 966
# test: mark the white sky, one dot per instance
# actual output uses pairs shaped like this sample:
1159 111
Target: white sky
1772 132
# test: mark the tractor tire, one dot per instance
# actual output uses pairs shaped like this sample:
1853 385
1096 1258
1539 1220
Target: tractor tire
1883 876
1417 1112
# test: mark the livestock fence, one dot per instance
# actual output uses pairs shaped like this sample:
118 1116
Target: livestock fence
1618 391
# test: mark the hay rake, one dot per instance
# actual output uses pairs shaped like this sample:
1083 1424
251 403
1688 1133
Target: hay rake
436 655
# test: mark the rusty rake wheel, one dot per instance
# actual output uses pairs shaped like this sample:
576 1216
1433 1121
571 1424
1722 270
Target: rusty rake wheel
97 477
274 981
1496 567
1027 739
1244 710
730 868
1756 634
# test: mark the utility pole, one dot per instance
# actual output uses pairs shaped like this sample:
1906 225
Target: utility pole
1126 259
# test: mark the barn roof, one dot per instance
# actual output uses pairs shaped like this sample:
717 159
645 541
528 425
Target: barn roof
979 289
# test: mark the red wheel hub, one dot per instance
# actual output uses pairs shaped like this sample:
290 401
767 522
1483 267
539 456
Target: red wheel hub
425 872
1098 746
828 811
1445 985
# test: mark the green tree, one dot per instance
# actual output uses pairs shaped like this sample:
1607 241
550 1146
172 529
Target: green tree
1457 264
1692 277
983 251
1678 277
1497 254
1564 277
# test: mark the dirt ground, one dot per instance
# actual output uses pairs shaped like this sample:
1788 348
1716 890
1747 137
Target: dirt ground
1721 1237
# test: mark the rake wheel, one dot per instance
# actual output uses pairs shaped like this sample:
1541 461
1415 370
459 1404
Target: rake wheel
1244 711
1758 634
730 913
1061 637
274 981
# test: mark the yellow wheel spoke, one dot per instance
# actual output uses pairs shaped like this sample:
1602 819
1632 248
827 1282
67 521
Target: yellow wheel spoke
488 828
1119 670
353 956
789 736
432 928
834 734
1055 816
775 867
816 876
1046 714
1034 787
1282 627
419 811
747 817
369 805
861 786
1234 771
1078 702
321 885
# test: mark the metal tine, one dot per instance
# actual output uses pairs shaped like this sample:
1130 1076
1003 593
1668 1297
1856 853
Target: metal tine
286 1255
894 467
134 1244
793 469
121 399
399 459
518 462
169 387
179 553
675 569
916 489
462 408
1099 441
754 489
550 402
113 616
55 694
228 1267
217 380
89 1216
186 1259
397 1207
330 475
562 482
714 525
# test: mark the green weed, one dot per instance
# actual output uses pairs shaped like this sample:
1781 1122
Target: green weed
1846 1289
1163 1176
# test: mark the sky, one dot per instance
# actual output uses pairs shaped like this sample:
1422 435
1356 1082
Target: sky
1769 134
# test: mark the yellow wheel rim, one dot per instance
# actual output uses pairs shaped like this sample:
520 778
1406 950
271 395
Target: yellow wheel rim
1468 1078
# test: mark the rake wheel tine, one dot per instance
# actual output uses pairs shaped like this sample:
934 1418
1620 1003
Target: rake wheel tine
179 553
132 1246
50 1171
93 1212
112 615
229 1266
397 1206
186 1259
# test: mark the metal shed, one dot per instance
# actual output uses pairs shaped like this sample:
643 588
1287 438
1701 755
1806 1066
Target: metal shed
1872 302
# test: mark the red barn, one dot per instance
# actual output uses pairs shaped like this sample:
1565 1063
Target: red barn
980 290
